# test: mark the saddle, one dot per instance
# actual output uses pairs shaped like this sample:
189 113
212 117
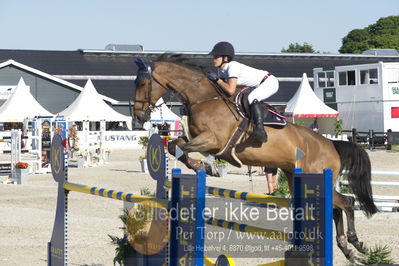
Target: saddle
273 114
273 118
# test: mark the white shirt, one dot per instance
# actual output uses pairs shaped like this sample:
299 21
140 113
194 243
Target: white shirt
246 75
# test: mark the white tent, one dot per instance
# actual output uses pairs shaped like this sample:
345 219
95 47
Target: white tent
164 114
89 106
305 106
20 105
305 103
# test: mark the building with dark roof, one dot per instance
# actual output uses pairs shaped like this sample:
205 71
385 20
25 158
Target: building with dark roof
56 77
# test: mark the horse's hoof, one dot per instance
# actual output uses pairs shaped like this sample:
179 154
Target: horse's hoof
352 238
350 256
210 170
360 246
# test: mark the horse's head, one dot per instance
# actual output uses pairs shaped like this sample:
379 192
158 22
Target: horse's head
153 81
146 93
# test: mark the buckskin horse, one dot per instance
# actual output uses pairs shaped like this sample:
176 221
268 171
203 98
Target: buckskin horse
212 121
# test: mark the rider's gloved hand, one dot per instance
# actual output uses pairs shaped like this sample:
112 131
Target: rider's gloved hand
212 76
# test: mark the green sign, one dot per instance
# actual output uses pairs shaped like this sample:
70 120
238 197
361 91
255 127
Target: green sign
395 90
329 95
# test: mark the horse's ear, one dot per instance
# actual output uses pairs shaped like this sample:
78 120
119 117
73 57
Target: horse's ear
140 63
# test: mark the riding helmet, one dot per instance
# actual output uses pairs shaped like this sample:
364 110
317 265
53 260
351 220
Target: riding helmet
223 49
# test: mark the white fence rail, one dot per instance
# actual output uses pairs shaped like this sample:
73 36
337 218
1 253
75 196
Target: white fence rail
383 202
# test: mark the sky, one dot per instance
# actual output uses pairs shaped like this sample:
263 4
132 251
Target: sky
256 26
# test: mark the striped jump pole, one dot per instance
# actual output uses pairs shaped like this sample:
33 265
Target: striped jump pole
57 252
312 209
57 247
15 151
187 191
312 204
246 196
8 138
10 151
313 195
117 195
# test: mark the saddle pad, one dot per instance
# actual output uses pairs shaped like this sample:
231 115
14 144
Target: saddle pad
272 117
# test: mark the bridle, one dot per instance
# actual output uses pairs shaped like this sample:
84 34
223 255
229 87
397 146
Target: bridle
145 72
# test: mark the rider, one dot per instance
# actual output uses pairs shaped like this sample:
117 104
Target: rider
233 74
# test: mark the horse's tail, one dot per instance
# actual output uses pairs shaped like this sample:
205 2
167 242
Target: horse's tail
357 162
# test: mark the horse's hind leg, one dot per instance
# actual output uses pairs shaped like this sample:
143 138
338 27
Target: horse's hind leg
339 205
341 238
350 217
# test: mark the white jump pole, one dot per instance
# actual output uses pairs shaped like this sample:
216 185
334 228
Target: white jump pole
102 139
386 173
15 151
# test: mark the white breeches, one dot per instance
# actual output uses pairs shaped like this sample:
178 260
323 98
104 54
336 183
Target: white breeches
264 90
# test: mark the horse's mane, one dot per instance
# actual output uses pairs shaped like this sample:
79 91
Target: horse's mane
181 59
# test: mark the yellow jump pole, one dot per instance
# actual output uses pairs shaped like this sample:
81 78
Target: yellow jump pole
247 196
118 195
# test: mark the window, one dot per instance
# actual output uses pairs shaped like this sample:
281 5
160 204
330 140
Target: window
392 75
330 79
351 78
321 79
342 79
347 78
79 125
94 126
325 79
369 76
13 125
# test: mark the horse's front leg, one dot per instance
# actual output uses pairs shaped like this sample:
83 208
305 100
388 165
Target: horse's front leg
187 160
184 158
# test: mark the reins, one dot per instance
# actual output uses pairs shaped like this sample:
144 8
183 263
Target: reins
191 104
150 77
226 99
219 90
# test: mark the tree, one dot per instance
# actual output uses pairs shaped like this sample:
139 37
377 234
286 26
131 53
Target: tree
384 34
299 48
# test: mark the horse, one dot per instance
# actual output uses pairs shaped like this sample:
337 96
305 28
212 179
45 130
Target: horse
212 120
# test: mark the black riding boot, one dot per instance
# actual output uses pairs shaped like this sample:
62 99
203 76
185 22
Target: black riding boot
257 119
